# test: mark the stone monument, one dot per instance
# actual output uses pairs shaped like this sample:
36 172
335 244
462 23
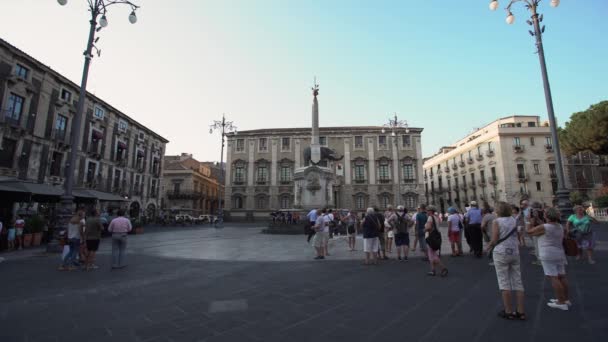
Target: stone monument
314 182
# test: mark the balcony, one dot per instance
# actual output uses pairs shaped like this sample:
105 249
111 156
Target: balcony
186 195
479 157
121 162
523 177
261 182
454 167
461 163
408 180
518 148
463 187
548 148
238 182
490 153
492 181
470 160
384 180
446 169
359 180
553 175
481 183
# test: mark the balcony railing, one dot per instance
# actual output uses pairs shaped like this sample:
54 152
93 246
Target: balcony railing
470 160
548 148
384 180
522 177
553 175
481 183
490 153
185 195
479 157
446 169
454 166
408 180
461 163
463 187
518 148
359 180
492 181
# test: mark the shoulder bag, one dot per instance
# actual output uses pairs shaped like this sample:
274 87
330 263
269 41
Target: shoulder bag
501 240
434 238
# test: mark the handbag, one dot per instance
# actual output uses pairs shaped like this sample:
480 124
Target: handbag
434 238
570 246
501 240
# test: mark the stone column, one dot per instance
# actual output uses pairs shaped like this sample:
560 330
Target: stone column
297 153
347 172
372 161
228 177
418 170
274 201
250 171
396 170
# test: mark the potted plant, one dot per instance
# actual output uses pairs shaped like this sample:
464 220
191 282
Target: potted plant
35 225
27 236
138 227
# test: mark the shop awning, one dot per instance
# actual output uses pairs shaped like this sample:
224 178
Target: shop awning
97 135
46 190
104 196
122 145
35 188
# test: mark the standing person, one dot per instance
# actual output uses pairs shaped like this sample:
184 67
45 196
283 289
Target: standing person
19 226
486 222
521 232
579 226
75 236
371 232
318 240
312 219
454 228
381 236
420 222
390 220
402 235
535 217
92 233
473 219
119 227
433 251
11 235
350 220
328 219
550 237
331 222
505 249
524 210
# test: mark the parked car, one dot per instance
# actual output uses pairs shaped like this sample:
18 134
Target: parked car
184 218
206 219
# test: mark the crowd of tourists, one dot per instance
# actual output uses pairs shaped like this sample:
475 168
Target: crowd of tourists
506 230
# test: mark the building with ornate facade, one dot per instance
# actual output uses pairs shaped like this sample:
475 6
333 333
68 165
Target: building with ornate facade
190 187
506 160
376 168
118 158
586 173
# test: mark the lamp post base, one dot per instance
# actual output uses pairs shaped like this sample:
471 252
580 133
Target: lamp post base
219 223
563 204
63 216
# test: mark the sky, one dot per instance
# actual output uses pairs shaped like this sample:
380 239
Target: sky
445 66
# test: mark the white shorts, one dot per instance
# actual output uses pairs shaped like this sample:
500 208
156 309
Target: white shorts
371 245
553 268
320 239
390 234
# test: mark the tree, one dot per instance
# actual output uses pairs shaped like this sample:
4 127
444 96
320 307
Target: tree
586 131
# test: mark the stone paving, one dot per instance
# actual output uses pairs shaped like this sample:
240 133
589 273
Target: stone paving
235 284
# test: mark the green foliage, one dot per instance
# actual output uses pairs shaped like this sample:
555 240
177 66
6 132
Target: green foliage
34 224
601 202
586 131
135 222
576 198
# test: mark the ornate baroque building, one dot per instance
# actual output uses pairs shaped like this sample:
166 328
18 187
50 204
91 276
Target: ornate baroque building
376 169
118 158
506 160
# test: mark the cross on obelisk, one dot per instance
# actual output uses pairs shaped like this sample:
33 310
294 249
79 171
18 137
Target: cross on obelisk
315 147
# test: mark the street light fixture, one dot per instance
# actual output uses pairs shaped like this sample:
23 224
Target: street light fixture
562 194
97 8
225 128
395 125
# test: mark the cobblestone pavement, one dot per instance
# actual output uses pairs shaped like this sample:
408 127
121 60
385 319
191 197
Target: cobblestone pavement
235 284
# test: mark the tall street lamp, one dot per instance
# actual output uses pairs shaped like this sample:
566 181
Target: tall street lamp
225 127
97 8
562 194
396 125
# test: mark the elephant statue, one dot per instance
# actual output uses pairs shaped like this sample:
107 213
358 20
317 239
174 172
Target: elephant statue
326 154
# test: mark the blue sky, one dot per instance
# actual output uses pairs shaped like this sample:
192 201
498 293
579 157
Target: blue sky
446 66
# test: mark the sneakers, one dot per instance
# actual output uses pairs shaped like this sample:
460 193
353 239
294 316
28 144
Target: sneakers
553 300
563 307
431 273
319 257
398 258
405 258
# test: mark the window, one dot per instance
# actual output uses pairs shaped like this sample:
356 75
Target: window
384 201
99 113
482 175
262 174
263 144
521 171
493 173
323 141
464 180
139 159
240 145
548 142
552 171
55 169
15 107
285 144
238 202
470 152
153 188
478 150
531 141
122 125
117 174
285 174
285 202
538 188
21 71
141 136
358 141
260 202
536 169
66 95
61 124
91 171
360 173
410 202
408 172
531 124
516 141
382 141
472 178
7 152
406 140
176 187
383 171
360 202
121 147
136 187
239 174
490 148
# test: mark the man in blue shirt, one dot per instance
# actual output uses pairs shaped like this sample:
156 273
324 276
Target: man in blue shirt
420 221
312 219
473 227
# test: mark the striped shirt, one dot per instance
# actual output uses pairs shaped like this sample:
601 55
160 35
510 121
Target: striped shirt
120 225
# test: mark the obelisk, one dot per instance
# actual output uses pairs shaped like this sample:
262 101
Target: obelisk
315 147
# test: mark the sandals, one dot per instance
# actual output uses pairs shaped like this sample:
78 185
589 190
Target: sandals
520 316
444 272
505 315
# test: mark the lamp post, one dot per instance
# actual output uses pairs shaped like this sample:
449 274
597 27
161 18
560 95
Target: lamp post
562 194
395 125
224 127
97 8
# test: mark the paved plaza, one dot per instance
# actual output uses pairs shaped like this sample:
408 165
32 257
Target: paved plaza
235 284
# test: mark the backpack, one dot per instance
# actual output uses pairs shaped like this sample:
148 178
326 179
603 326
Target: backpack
402 223
434 238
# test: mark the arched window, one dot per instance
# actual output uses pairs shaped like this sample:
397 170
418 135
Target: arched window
261 202
237 202
385 200
285 202
360 202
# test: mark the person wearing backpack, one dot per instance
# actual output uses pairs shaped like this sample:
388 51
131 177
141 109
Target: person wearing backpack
350 221
421 220
434 243
402 236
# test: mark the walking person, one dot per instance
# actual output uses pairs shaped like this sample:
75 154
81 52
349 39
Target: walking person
350 220
434 243
473 219
421 218
19 226
371 232
381 235
579 227
504 247
535 217
454 228
551 254
312 219
119 228
75 236
390 220
321 235
486 222
12 234
92 233
402 235
521 232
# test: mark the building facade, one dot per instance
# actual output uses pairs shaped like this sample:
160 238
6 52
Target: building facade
117 155
377 168
189 186
586 173
509 159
